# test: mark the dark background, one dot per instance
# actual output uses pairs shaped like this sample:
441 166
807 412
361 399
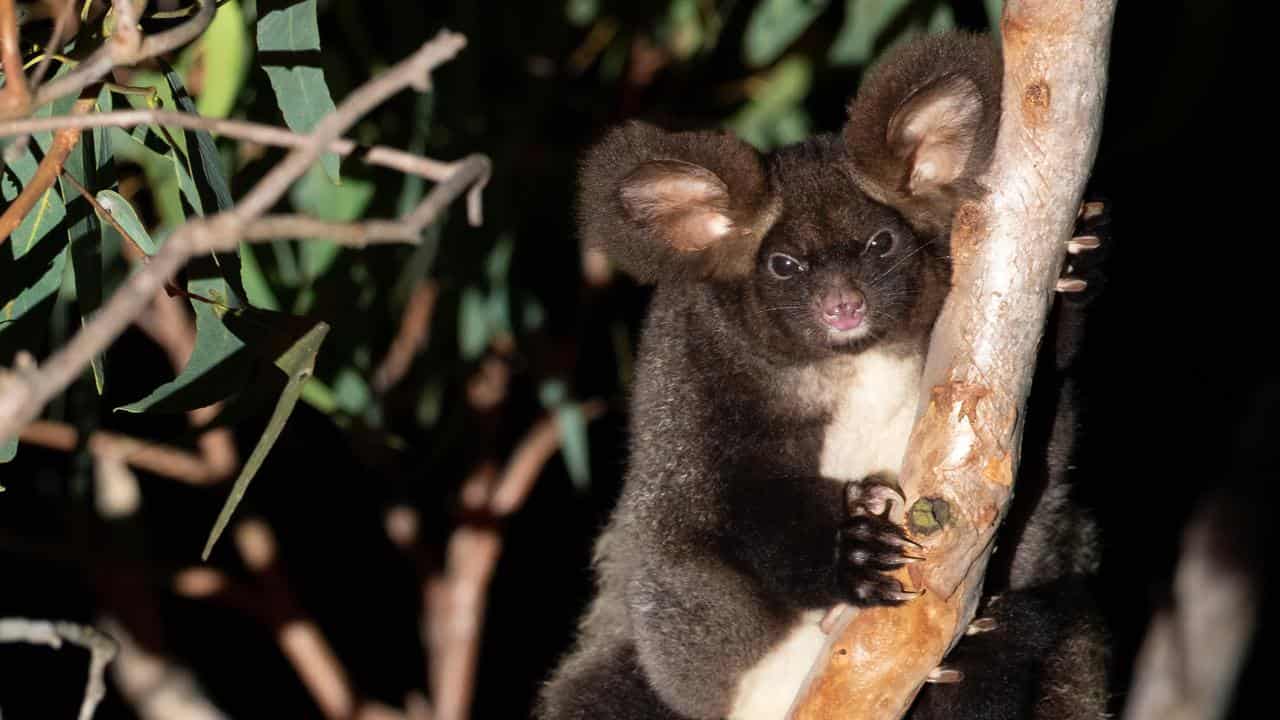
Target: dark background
1180 401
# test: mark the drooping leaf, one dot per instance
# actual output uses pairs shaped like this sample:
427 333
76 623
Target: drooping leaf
317 197
90 164
123 213
225 52
572 423
994 8
301 91
775 115
205 167
33 259
298 363
775 24
864 21
474 329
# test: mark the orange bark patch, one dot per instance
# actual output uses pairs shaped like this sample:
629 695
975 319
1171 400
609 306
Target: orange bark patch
1036 99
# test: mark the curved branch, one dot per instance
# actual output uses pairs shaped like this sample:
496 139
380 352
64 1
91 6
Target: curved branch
1008 250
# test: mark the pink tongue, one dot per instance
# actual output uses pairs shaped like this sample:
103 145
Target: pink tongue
845 321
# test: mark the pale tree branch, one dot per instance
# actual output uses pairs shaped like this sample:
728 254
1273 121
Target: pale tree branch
25 391
455 596
53 633
1196 647
1007 251
378 155
122 51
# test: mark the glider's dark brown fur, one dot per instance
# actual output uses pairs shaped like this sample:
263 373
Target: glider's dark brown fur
736 524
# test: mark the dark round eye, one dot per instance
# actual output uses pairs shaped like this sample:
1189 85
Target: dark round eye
784 266
881 243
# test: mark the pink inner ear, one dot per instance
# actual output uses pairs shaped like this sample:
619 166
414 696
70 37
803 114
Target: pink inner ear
686 204
935 130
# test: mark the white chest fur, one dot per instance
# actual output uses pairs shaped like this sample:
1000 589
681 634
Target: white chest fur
873 404
872 401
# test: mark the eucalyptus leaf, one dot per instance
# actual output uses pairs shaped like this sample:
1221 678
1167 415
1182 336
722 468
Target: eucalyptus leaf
34 258
474 329
864 21
225 53
8 451
572 423
298 363
775 24
301 91
775 114
124 214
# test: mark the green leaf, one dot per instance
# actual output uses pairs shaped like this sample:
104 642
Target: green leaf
581 13
220 365
572 423
301 91
351 392
864 21
8 451
317 197
90 164
298 363
474 329
225 52
941 20
256 287
775 24
775 116
994 8
123 213
33 259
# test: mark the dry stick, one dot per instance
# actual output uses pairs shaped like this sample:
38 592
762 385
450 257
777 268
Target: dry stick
410 339
117 54
1195 648
456 598
1008 250
241 130
66 25
171 462
15 97
64 141
53 633
25 391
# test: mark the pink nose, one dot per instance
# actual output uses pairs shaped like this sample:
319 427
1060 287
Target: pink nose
843 309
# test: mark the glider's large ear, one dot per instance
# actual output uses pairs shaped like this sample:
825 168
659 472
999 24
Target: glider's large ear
675 206
923 126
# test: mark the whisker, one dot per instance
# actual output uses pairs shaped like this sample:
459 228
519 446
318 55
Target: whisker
893 267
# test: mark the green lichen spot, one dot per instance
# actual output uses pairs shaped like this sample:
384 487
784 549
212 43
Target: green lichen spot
929 515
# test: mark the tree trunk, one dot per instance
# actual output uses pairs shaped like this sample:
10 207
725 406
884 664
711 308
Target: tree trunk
1008 251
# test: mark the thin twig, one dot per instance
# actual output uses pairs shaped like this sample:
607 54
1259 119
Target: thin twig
115 54
15 98
415 330
66 25
64 141
24 392
166 460
455 598
53 633
378 155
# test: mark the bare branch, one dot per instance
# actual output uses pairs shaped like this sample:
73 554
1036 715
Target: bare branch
24 392
120 54
379 155
1195 648
53 633
15 98
152 457
47 172
1008 250
415 330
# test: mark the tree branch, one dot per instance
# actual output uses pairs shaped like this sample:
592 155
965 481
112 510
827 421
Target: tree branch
25 391
45 632
1007 251
379 155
